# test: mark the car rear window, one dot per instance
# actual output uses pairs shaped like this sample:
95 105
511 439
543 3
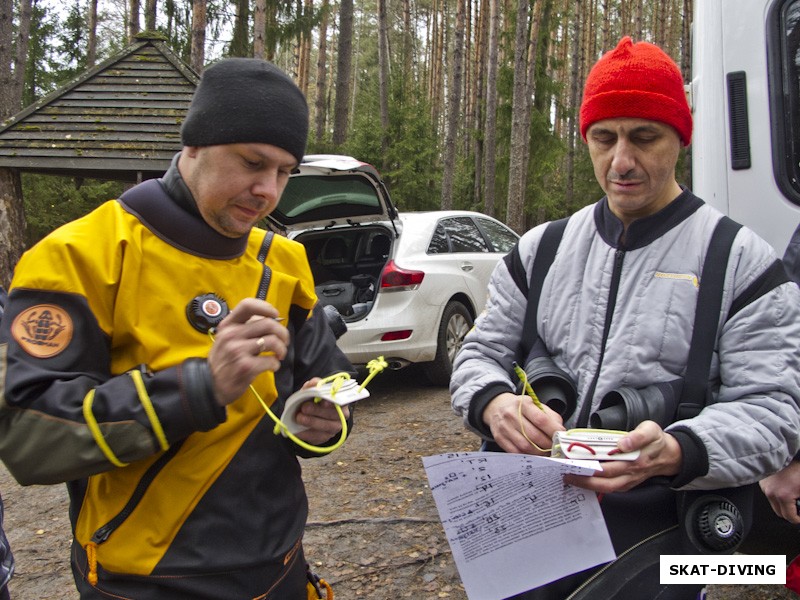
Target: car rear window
464 235
313 197
500 237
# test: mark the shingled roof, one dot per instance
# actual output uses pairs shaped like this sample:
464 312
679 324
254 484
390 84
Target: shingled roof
119 120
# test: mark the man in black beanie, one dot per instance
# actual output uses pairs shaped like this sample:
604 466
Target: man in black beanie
242 100
145 371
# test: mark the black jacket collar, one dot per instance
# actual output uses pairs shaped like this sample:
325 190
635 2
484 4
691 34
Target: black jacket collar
646 230
167 208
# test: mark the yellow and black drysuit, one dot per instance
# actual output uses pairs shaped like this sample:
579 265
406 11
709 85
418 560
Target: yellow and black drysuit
105 386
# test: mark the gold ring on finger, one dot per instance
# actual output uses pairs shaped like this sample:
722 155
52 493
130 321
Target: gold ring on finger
261 343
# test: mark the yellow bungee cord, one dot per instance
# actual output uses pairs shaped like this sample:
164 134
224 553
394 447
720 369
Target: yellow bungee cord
523 377
338 379
374 367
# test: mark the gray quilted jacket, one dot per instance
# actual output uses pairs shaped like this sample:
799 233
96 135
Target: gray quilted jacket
640 297
6 558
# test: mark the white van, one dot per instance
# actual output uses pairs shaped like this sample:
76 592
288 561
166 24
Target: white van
745 97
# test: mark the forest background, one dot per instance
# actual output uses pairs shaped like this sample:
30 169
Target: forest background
467 104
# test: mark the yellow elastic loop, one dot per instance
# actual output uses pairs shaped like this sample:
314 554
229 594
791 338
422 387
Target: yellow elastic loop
523 377
337 380
91 558
522 429
375 366
144 398
328 589
96 433
312 594
280 427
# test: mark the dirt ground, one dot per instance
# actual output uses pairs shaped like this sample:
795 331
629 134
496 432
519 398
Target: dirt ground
373 528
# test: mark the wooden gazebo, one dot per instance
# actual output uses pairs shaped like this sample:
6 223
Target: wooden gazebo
119 120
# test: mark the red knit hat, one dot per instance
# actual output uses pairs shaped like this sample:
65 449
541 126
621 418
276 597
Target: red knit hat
636 81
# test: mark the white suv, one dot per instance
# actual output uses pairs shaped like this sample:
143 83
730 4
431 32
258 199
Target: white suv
407 285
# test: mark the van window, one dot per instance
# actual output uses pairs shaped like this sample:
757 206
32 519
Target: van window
785 95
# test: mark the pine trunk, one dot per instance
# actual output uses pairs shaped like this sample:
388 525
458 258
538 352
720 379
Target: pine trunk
12 212
133 19
91 43
260 29
453 109
517 178
343 72
490 135
321 105
383 75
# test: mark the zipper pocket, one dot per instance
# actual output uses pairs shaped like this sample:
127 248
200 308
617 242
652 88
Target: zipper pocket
104 532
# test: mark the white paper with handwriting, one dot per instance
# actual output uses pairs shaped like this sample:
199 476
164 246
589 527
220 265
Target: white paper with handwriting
511 522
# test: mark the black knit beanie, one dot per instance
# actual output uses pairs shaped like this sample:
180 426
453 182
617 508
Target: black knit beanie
247 100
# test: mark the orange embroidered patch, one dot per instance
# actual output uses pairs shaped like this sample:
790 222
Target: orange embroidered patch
43 330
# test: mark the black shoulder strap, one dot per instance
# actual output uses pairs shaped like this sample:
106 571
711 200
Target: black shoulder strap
545 254
706 320
709 303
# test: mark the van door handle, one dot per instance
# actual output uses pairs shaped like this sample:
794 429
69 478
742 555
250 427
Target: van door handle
467 266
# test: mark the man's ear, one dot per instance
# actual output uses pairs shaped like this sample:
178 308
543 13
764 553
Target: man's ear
191 151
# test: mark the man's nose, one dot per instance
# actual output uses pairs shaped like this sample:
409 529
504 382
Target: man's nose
624 159
266 185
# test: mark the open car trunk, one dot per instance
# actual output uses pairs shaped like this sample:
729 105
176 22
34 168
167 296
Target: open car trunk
347 265
339 209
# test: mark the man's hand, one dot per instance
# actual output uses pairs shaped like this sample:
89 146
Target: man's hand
322 419
247 342
502 415
782 490
660 454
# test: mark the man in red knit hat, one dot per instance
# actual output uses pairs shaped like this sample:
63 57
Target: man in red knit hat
605 326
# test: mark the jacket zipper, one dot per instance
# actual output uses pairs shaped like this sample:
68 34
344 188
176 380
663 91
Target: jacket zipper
263 286
616 276
607 566
104 532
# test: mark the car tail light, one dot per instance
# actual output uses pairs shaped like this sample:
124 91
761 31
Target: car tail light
391 336
395 277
